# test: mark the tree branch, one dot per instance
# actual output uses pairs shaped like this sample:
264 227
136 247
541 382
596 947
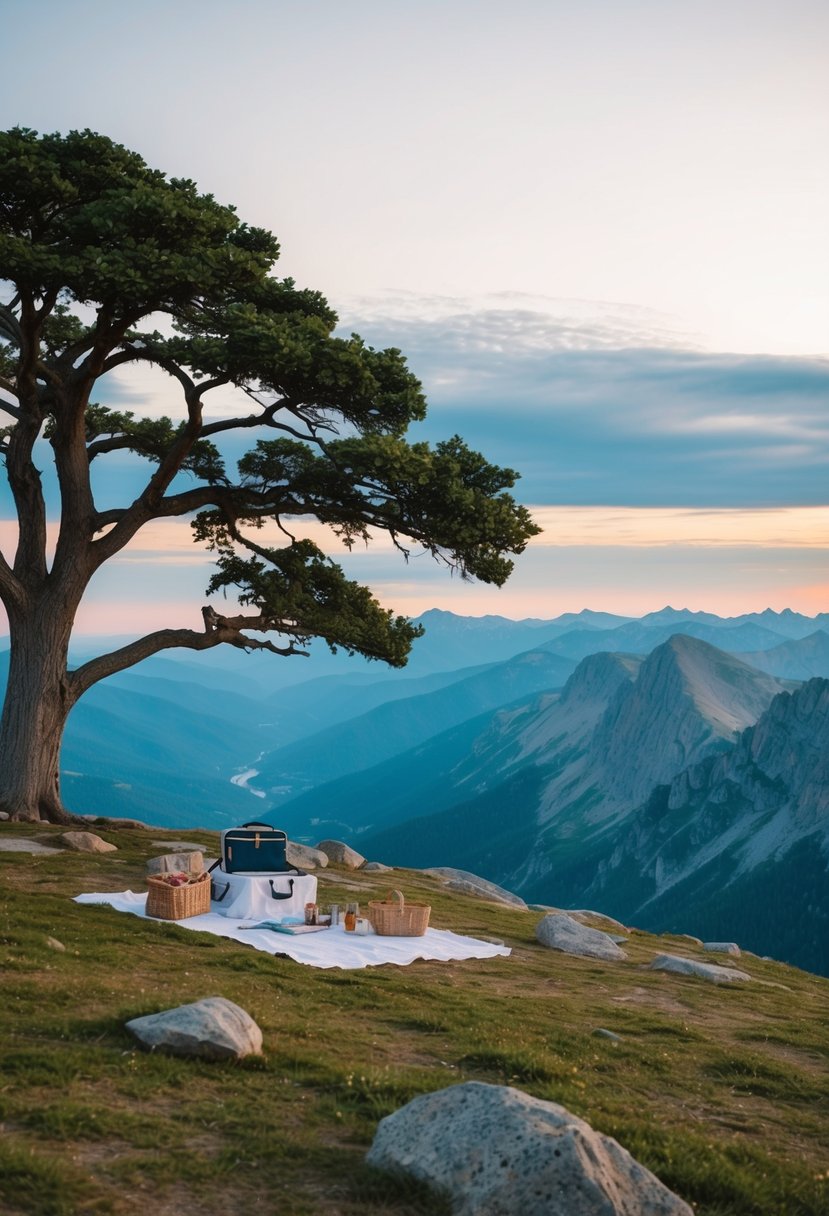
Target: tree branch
11 591
6 406
218 630
135 354
10 326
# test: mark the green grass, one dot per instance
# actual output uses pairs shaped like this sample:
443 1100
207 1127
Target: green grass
722 1091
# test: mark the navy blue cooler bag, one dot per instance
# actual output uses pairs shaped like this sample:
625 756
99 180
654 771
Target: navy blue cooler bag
255 848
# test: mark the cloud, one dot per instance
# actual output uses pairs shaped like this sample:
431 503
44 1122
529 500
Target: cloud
590 413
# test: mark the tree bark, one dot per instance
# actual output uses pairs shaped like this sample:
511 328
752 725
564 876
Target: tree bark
37 704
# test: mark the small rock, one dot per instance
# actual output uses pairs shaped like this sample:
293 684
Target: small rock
4 815
304 857
86 842
341 854
689 966
210 1029
560 932
601 1033
494 1150
722 948
377 866
171 863
54 944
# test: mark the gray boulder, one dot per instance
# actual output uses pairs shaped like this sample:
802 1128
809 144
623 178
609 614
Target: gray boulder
499 1152
211 1029
471 884
722 948
86 842
583 915
689 966
177 863
22 844
560 932
341 854
377 867
306 858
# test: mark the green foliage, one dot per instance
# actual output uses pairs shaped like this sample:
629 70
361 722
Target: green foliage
306 595
109 262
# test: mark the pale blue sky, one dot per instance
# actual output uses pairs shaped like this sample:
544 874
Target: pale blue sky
598 230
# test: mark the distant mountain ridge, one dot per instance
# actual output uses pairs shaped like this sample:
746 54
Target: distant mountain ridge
395 726
643 771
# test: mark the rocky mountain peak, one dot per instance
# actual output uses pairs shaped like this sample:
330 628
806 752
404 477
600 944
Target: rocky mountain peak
690 699
790 745
598 676
583 700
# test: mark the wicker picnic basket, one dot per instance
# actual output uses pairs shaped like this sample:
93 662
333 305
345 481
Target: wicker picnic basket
177 903
392 918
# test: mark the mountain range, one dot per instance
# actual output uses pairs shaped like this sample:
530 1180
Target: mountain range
666 769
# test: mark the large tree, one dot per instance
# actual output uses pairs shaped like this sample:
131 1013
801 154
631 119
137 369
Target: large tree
105 262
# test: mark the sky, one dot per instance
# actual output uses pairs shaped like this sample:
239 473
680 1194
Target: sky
597 229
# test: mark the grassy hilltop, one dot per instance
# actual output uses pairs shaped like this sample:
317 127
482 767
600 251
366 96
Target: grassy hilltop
722 1091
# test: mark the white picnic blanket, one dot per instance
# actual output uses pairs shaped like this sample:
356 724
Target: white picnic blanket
329 948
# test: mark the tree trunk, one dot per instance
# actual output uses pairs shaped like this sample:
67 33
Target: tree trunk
37 704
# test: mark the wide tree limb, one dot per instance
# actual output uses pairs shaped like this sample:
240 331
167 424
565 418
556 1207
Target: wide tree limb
10 326
218 630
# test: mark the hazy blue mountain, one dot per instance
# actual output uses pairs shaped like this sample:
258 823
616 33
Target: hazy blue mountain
304 709
790 624
586 762
795 660
787 624
397 726
433 774
638 638
452 641
236 709
126 753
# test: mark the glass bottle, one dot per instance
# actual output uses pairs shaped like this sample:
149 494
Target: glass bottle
351 913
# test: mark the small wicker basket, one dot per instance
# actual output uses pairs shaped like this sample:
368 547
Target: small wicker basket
392 918
177 903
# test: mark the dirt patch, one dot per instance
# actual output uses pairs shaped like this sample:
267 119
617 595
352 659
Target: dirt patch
652 1000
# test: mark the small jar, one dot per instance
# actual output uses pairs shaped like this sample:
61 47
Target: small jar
310 914
352 911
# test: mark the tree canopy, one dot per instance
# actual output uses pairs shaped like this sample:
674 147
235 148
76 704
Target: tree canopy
106 262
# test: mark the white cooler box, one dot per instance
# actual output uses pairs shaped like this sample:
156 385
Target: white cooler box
261 896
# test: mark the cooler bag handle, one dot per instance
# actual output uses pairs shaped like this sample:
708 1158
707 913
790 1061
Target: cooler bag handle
288 893
256 824
214 886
